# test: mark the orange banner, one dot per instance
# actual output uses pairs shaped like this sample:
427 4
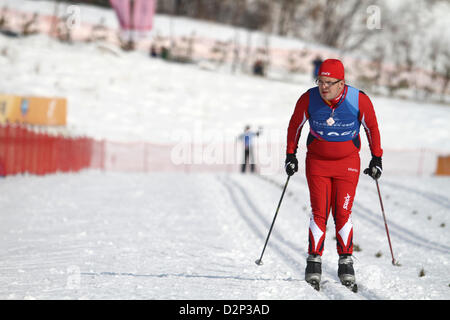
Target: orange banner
33 110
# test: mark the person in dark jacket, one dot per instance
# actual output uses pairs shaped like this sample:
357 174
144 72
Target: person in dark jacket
247 138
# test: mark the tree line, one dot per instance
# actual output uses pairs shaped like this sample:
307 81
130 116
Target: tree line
404 35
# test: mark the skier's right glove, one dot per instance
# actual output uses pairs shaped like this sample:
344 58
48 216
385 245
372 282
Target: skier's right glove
291 164
375 168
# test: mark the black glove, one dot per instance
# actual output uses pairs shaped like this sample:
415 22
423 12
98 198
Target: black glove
375 168
291 164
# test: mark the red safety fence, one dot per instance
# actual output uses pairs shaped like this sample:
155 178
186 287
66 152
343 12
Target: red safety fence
268 157
152 157
23 150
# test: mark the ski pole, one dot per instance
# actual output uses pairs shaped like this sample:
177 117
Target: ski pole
259 261
385 225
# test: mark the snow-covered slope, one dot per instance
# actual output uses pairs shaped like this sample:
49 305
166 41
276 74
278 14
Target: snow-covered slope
133 97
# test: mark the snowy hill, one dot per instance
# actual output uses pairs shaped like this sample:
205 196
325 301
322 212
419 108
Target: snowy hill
109 235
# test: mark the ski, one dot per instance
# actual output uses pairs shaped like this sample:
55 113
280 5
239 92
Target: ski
351 286
315 284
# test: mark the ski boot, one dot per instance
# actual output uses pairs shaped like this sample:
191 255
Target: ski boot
313 271
346 273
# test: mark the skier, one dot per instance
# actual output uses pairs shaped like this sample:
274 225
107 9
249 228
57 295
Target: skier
247 137
335 112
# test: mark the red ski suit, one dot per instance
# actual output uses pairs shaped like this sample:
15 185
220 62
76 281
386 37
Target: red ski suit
332 169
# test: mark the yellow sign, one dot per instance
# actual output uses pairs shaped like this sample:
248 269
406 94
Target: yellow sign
8 104
33 110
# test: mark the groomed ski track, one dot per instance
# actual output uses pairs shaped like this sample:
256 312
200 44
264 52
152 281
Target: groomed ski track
99 235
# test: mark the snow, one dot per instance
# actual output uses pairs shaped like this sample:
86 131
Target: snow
172 235
110 235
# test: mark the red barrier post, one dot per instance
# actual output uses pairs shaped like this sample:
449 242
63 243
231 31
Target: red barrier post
35 152
27 150
6 150
58 156
38 153
45 153
52 154
12 150
3 149
22 147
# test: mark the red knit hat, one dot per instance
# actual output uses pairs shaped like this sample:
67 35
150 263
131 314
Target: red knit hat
332 68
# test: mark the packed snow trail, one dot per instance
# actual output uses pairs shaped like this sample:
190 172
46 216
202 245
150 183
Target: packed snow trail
332 290
131 236
418 231
100 235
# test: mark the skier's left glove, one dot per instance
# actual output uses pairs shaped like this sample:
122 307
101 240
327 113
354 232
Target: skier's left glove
375 168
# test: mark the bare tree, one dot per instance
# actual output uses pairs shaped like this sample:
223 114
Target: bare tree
285 19
342 24
446 75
